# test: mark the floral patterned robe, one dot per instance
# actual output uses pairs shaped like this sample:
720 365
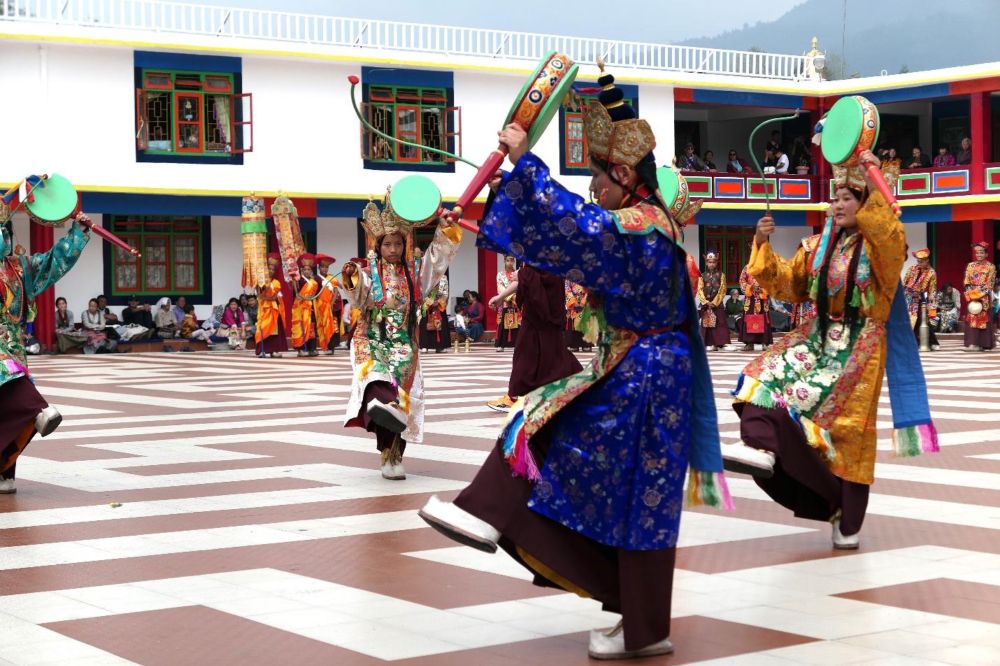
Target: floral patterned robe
509 315
980 276
832 389
22 278
917 282
394 357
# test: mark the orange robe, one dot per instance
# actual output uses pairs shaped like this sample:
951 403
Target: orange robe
303 320
269 313
326 321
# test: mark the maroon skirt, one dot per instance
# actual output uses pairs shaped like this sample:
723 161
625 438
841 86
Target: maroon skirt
21 404
980 337
719 335
540 357
765 338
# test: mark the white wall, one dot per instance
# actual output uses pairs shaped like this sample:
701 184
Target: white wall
86 279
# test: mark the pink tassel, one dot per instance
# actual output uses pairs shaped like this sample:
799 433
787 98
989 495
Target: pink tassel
929 438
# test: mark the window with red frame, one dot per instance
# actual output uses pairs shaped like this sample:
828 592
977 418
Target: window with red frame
417 115
172 259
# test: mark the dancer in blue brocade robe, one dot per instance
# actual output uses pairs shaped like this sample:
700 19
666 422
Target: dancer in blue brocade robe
599 458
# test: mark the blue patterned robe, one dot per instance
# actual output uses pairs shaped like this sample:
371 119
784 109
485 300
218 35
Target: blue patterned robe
22 278
625 428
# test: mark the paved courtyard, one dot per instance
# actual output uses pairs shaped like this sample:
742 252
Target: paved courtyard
210 509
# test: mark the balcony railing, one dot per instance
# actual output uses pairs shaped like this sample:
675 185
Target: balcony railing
310 29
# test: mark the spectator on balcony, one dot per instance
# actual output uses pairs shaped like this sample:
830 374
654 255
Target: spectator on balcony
944 158
890 159
709 160
774 143
964 155
736 164
918 160
780 161
689 160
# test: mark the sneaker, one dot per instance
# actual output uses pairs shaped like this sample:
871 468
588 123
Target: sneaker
389 416
7 487
841 542
610 644
459 525
47 421
972 348
747 460
502 405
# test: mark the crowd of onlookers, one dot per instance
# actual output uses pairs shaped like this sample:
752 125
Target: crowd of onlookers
100 330
776 160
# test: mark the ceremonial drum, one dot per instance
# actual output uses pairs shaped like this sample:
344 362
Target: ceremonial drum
415 199
974 307
850 128
533 108
55 201
673 189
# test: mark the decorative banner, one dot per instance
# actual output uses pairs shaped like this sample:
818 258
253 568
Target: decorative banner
755 187
286 228
946 182
253 230
993 178
729 187
699 186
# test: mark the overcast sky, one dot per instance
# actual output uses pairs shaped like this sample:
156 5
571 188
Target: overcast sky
661 21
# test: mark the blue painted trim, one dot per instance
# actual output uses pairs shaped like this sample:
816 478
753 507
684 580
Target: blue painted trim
410 166
340 208
187 61
114 203
418 78
782 218
734 98
938 213
906 94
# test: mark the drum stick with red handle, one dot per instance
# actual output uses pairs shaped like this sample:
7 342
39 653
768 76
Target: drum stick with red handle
108 236
878 180
479 181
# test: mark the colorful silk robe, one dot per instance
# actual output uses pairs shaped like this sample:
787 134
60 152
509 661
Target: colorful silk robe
509 315
711 290
327 309
832 389
22 278
979 279
755 298
918 282
576 302
270 312
436 305
624 429
382 348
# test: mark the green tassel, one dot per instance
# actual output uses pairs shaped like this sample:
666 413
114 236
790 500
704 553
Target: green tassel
856 297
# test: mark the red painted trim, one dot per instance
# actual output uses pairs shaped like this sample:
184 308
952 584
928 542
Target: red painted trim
40 239
684 95
974 86
988 211
982 147
487 288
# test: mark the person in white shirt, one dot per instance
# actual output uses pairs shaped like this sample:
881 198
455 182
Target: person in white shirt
782 161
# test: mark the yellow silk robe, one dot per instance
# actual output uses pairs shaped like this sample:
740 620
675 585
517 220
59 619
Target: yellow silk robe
845 416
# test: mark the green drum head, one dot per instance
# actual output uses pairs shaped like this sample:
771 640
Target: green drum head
842 130
669 181
551 106
55 202
415 199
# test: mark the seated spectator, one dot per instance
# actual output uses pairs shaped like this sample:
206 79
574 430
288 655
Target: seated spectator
251 313
179 309
964 155
736 164
770 161
944 158
109 316
948 301
710 161
780 161
774 143
164 319
67 336
244 299
890 160
234 325
137 314
733 307
689 161
918 160
190 330
471 327
94 328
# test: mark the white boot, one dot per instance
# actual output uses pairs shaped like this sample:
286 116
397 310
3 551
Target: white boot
841 542
610 644
7 487
47 421
460 525
747 460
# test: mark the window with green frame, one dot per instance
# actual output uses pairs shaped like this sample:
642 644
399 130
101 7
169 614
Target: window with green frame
573 140
172 260
415 114
732 243
192 114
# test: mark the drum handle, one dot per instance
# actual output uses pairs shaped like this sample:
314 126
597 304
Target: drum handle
110 237
876 177
479 181
354 82
753 155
